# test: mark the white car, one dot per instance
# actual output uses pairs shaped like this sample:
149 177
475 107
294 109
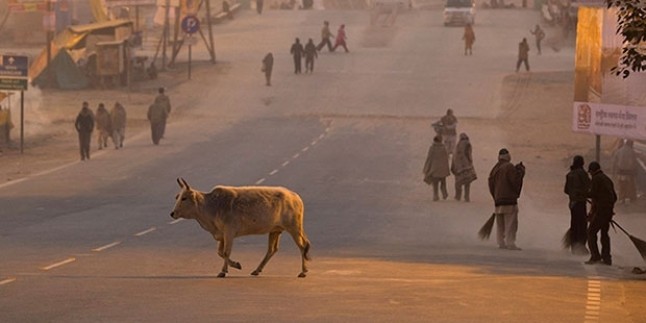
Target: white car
459 12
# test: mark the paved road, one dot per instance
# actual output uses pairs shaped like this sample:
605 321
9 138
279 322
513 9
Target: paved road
94 241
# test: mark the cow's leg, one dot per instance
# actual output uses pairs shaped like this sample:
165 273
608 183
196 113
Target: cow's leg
272 247
304 245
231 262
227 242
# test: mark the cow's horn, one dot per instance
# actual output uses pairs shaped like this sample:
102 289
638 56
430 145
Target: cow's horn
180 183
185 184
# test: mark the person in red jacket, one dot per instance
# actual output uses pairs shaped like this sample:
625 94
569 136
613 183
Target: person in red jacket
340 39
505 185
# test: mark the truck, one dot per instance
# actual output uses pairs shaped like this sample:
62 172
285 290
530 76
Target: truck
459 12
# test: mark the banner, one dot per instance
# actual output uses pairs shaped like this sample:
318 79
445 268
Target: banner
604 103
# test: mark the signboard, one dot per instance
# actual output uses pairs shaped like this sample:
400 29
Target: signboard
13 84
190 24
13 66
617 120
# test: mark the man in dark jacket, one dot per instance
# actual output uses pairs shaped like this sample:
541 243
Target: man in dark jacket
157 115
310 54
163 100
505 185
297 51
523 55
577 185
84 126
602 193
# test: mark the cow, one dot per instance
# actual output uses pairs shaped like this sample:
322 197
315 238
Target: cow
228 212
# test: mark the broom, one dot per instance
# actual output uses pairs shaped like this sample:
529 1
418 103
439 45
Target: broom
485 231
639 244
566 241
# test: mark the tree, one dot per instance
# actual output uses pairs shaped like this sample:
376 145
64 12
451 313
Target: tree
631 18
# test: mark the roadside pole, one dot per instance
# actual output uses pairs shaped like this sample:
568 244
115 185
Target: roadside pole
190 25
22 122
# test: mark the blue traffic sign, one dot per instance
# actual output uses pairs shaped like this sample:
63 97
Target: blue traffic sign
14 66
190 24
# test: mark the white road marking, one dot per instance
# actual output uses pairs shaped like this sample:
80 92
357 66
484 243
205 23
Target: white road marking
260 181
58 264
321 136
305 149
108 246
145 232
296 155
314 142
286 163
7 281
176 221
593 304
273 172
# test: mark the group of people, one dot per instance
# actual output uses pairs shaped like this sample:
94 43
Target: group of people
109 124
112 124
309 51
437 168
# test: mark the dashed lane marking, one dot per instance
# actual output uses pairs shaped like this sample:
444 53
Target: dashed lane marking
7 281
305 149
58 264
145 232
296 155
286 163
273 172
260 181
108 246
176 221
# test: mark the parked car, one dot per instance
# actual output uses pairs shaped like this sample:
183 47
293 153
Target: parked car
459 12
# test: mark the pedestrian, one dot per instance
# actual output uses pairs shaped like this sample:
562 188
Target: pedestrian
297 53
603 196
449 130
436 168
469 38
310 54
84 126
267 67
118 115
163 100
523 55
341 39
577 185
326 34
157 115
462 168
624 167
103 125
259 5
539 34
505 185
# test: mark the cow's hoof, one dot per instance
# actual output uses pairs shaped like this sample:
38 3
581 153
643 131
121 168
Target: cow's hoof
302 275
222 275
255 273
236 265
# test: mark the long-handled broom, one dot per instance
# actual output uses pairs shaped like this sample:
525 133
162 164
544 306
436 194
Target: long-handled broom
639 244
485 231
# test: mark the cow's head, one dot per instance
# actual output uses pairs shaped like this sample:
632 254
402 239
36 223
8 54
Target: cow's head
185 202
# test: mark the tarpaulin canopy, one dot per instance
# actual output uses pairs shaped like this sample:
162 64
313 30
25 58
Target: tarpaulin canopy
69 39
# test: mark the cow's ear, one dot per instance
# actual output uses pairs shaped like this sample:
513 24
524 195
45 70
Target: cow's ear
180 183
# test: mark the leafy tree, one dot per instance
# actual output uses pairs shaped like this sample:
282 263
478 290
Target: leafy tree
632 27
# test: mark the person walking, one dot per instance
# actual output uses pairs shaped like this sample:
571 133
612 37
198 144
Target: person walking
539 35
84 125
267 67
341 39
259 5
462 168
157 115
523 55
436 168
449 130
505 185
163 100
326 34
624 167
103 125
577 185
297 52
603 196
469 38
310 54
118 114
